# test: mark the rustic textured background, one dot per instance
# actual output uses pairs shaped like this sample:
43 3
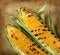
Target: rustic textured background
9 7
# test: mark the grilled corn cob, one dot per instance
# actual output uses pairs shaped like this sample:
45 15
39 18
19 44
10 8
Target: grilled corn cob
39 29
21 41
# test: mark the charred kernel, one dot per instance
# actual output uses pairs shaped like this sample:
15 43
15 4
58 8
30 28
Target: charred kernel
33 44
38 38
44 37
46 52
41 38
52 33
16 38
12 36
48 29
27 52
54 42
45 26
33 49
32 31
59 48
42 49
30 15
30 45
35 30
38 46
42 23
36 34
30 48
37 52
55 36
44 29
38 29
59 39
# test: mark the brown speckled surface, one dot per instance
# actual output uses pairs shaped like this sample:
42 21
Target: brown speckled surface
9 7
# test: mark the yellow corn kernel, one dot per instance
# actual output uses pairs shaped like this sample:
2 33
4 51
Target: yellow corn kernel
40 30
23 42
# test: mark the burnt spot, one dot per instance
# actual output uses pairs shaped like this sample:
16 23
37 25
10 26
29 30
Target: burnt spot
36 34
44 37
41 38
39 47
33 49
16 38
33 44
42 49
44 29
35 30
27 52
38 29
46 52
38 52
48 29
42 23
58 47
45 26
54 42
52 33
30 15
59 39
12 36
31 30
38 38
39 33
55 36
30 46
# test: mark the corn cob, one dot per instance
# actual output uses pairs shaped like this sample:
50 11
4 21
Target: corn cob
39 29
23 42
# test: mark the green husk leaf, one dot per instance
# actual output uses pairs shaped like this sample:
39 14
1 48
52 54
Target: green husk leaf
50 23
43 9
33 37
41 12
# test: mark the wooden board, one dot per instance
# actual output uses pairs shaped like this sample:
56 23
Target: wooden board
9 7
